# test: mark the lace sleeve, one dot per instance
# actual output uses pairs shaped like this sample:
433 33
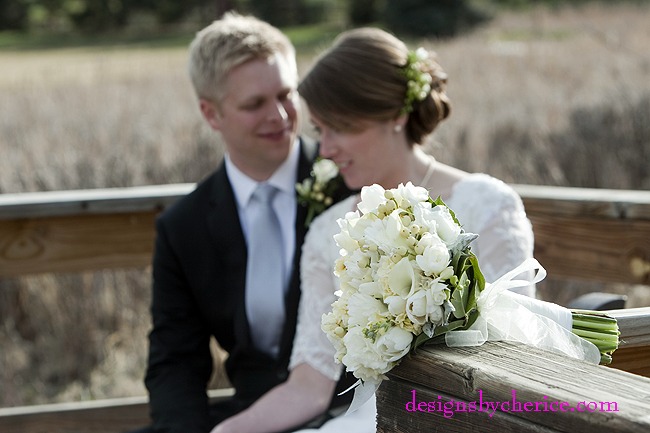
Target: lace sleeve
318 284
489 207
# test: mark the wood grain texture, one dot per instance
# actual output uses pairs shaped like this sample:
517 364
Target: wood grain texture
99 416
76 243
593 249
493 371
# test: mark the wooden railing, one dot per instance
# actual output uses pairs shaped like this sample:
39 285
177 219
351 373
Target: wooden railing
586 234
446 389
590 234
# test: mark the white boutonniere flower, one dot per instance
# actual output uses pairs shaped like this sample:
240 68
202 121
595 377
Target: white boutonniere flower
316 192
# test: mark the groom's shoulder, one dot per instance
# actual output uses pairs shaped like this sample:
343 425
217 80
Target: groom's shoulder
308 148
193 205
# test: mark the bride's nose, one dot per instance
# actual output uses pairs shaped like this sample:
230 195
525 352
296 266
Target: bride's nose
328 145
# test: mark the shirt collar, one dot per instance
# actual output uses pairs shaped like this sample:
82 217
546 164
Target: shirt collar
284 178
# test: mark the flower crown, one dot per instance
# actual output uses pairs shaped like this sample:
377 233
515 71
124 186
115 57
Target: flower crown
418 84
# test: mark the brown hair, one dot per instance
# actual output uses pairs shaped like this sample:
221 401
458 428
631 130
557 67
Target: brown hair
362 77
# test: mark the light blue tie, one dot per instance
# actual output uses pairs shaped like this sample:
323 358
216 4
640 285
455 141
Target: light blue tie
265 272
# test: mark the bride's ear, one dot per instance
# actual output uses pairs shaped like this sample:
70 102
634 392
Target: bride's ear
400 122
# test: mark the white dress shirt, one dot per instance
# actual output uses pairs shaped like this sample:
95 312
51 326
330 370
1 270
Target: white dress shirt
284 204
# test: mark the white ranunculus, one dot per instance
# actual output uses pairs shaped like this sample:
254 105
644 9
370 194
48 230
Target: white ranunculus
412 194
446 227
394 344
362 358
371 197
386 233
435 257
356 265
325 170
364 309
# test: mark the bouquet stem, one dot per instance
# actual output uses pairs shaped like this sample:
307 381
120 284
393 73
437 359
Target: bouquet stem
599 329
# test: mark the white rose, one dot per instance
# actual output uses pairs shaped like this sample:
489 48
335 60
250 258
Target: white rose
435 257
371 197
325 170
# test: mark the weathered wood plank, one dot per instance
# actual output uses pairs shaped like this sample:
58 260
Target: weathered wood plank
593 202
593 249
91 201
634 360
633 354
597 235
634 325
492 371
590 234
100 416
407 420
76 243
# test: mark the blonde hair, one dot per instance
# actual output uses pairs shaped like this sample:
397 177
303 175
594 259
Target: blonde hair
362 77
229 42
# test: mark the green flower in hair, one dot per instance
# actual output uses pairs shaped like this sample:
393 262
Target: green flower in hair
418 84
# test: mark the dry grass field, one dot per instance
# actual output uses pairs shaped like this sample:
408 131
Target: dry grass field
545 97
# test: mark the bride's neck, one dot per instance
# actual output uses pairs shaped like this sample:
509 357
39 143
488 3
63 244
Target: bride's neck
419 167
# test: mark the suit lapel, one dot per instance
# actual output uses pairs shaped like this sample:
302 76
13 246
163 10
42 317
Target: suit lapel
308 151
228 237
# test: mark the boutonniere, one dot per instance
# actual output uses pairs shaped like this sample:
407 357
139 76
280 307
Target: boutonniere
316 192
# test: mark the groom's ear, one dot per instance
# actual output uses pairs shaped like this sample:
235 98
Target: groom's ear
211 113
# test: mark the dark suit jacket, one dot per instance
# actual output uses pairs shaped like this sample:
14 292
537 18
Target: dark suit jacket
199 274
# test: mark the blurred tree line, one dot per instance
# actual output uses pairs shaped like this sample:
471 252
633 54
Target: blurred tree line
418 17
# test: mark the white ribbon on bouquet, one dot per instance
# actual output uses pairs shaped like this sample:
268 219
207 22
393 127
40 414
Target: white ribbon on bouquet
508 316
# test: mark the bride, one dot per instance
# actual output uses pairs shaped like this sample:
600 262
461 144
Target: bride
373 102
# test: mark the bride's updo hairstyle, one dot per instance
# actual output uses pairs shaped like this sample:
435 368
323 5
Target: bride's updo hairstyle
365 75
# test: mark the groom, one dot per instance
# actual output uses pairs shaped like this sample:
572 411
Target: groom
244 74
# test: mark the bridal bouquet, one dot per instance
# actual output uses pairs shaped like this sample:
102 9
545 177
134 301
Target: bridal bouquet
408 276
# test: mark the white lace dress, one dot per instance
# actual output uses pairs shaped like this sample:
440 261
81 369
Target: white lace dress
482 204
